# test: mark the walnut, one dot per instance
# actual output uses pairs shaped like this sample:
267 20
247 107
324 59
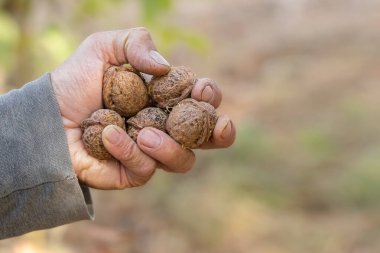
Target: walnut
173 87
148 117
124 90
92 131
191 123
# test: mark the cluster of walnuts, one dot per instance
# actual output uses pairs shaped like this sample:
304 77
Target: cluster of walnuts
132 104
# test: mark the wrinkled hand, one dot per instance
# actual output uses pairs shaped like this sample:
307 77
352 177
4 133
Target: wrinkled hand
77 85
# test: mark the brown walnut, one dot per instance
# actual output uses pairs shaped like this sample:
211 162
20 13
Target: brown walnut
124 90
92 131
148 117
191 123
173 87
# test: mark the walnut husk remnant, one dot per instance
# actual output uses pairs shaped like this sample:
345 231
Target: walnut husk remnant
173 87
191 123
124 90
148 117
92 131
164 104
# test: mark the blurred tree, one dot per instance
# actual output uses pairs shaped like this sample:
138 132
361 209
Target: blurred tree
153 9
21 68
168 35
92 8
27 48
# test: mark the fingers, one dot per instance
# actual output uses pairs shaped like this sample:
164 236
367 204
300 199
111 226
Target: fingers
207 90
134 46
140 167
224 134
142 54
164 149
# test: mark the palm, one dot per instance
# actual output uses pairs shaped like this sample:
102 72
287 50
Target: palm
98 174
77 84
80 94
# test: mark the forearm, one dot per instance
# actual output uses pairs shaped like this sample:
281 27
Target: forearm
38 187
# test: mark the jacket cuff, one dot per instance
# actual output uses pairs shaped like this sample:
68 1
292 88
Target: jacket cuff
39 188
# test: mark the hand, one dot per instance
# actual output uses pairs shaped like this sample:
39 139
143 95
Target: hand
77 84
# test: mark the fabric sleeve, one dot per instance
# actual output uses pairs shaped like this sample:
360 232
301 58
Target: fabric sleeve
38 186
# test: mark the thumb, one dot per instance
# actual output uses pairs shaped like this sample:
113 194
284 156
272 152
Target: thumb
141 53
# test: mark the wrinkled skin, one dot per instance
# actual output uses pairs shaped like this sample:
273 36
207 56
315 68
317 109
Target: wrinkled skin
77 84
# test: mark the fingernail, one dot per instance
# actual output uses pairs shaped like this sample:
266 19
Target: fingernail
226 132
207 94
149 138
158 58
112 134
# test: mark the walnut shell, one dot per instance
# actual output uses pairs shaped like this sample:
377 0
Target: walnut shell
124 90
173 87
148 117
92 131
191 123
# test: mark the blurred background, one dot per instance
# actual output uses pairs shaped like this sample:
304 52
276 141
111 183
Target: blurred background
300 78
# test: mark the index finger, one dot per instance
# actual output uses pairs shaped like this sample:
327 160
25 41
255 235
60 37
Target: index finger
165 150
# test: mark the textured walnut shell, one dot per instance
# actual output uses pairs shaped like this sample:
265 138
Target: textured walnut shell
148 117
92 131
191 123
124 90
173 87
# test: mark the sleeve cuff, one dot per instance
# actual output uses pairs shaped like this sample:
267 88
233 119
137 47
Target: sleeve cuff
39 188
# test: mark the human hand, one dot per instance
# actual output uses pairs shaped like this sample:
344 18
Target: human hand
77 84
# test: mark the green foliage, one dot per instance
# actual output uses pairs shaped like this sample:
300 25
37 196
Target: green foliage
250 167
355 109
318 143
360 184
252 146
8 38
153 9
55 45
90 8
56 42
168 37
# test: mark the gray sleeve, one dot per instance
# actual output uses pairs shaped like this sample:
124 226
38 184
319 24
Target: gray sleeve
38 186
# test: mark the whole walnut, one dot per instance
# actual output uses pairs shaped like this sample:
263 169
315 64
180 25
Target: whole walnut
148 117
92 131
124 90
191 123
173 87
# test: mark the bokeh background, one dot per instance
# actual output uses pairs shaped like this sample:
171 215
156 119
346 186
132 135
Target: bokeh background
301 80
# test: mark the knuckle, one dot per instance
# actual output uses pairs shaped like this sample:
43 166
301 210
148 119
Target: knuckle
95 40
94 37
127 150
140 177
121 186
137 181
187 165
147 170
142 31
